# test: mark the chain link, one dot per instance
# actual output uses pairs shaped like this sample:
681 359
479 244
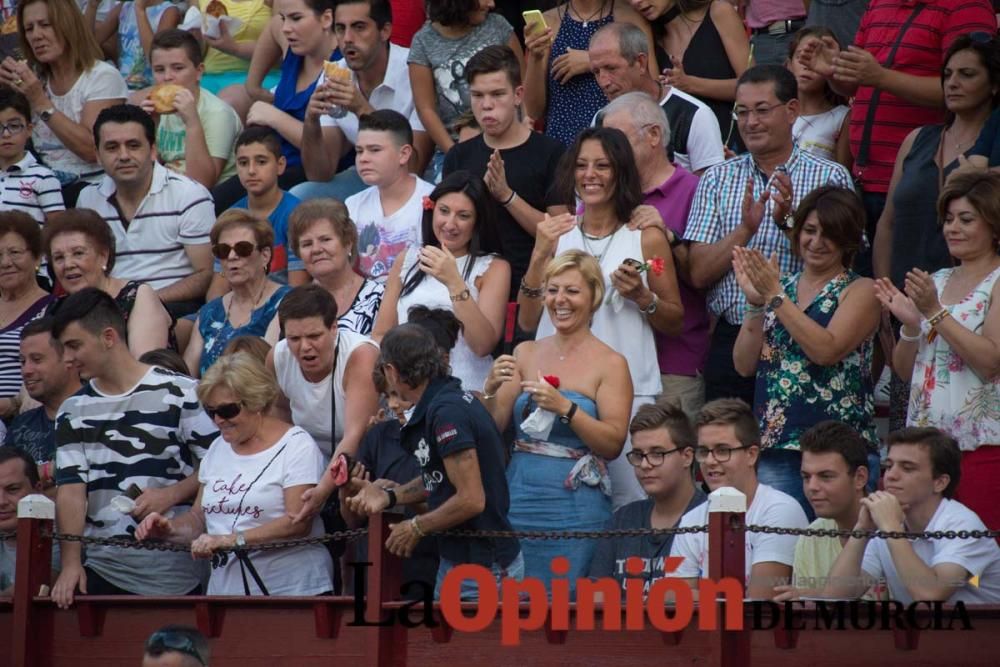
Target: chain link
125 543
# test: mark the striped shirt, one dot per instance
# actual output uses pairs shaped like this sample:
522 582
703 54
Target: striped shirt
10 347
176 212
718 210
921 53
30 187
151 436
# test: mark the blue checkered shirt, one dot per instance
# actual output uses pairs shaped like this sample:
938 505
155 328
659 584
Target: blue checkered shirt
717 211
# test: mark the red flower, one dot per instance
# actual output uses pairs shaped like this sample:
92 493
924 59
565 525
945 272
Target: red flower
428 203
657 265
552 380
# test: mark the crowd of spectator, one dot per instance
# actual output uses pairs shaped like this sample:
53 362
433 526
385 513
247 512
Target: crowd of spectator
262 278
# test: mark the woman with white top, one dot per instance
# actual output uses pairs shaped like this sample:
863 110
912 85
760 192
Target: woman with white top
68 83
252 481
455 270
949 342
325 373
600 170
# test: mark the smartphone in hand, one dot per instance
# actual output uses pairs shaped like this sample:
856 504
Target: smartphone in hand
533 19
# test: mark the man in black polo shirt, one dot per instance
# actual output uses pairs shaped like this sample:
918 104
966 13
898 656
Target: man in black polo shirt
461 458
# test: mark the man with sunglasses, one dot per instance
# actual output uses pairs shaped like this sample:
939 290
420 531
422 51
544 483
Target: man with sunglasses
749 201
176 646
127 445
160 219
663 444
728 450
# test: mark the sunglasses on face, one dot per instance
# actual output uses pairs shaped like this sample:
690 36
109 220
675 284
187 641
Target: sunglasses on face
243 249
224 411
162 642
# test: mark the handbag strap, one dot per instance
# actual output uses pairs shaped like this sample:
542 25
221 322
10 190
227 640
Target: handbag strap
866 131
333 395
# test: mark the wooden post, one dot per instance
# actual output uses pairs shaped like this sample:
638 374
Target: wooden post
35 514
727 559
386 643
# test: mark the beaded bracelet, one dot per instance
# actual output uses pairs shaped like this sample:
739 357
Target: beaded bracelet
908 338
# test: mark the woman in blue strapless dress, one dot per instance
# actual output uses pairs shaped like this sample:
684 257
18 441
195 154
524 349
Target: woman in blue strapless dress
557 476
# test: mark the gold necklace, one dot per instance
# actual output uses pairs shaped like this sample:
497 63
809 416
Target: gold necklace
253 306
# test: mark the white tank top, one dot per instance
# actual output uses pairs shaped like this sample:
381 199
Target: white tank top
310 401
626 331
466 365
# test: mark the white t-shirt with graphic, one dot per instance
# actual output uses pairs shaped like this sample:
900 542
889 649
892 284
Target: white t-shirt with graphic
382 238
244 492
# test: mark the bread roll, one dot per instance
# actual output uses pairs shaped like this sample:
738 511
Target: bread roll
335 71
163 96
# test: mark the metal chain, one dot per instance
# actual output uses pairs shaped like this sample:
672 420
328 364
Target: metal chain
880 534
125 543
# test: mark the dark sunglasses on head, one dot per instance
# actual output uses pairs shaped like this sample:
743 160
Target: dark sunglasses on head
162 642
242 248
225 411
980 37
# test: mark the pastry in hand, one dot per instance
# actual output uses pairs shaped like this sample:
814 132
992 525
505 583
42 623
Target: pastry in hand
163 96
335 71
9 26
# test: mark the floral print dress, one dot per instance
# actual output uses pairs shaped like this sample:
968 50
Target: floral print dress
944 391
793 394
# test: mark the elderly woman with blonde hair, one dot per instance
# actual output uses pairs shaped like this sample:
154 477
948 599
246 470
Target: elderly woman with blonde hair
244 244
252 480
558 475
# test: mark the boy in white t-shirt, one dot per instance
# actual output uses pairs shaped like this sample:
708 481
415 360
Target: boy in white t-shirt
728 450
923 470
389 213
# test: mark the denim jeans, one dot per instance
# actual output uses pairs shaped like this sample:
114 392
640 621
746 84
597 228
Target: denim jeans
781 469
470 589
340 187
771 49
721 378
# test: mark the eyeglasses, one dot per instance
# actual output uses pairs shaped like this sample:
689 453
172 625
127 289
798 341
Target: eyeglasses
243 249
225 411
741 115
654 458
161 642
721 454
13 128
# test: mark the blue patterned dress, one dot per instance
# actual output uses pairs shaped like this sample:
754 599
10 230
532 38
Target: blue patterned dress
571 107
217 331
793 393
556 485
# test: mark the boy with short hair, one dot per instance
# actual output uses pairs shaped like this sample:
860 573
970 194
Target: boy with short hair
663 443
197 140
520 194
923 469
388 214
728 451
25 185
259 163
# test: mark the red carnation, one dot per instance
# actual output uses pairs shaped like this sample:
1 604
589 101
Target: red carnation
657 265
552 380
428 203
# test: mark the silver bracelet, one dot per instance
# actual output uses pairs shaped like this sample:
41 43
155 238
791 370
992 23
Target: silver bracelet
909 339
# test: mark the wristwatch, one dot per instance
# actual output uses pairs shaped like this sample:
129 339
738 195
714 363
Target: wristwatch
392 497
775 302
651 308
568 417
464 295
674 239
46 114
241 540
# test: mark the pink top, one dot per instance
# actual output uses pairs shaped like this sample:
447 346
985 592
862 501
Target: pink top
684 354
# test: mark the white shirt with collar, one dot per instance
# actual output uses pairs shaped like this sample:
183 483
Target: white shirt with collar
176 212
393 93
30 187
